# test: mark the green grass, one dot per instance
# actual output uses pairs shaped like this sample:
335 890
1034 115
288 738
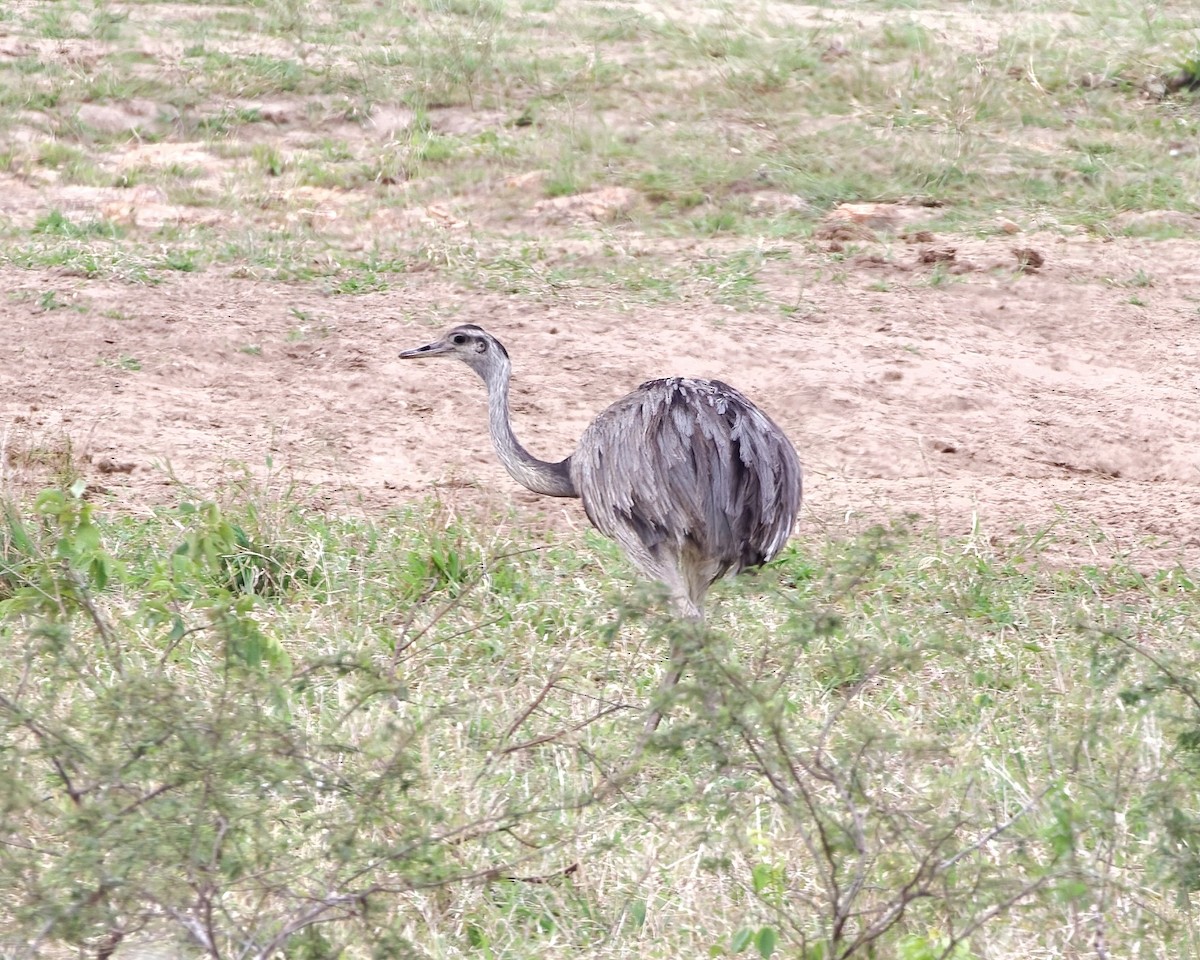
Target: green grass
1046 124
55 223
409 710
1048 121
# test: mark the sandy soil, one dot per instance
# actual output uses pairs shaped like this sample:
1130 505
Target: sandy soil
1022 399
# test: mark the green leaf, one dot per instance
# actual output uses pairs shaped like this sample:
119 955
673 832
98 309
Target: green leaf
49 502
765 941
741 940
101 571
476 937
87 537
761 876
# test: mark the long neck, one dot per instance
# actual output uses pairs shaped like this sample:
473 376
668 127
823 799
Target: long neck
551 479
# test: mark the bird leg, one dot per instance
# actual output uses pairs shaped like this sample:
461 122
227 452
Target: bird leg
674 671
685 637
681 647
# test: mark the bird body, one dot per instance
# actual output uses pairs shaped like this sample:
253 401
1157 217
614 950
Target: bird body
688 476
692 480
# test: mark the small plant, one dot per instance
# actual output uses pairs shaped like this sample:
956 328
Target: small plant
390 166
564 181
335 151
56 154
55 223
1188 75
169 728
185 261
764 941
268 159
123 362
49 301
733 280
432 148
129 178
940 275
107 24
55 459
715 222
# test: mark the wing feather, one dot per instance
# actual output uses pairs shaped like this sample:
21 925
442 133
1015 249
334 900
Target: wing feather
690 465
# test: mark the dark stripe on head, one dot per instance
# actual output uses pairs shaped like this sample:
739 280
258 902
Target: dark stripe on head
474 330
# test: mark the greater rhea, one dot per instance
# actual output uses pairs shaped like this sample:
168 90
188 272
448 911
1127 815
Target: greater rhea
688 476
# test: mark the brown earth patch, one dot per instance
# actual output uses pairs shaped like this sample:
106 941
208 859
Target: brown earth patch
1019 400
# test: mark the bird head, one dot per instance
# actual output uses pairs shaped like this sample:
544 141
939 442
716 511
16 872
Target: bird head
473 345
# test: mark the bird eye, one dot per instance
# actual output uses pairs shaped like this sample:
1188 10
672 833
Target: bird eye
459 338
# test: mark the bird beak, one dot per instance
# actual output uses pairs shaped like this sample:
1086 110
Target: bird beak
429 350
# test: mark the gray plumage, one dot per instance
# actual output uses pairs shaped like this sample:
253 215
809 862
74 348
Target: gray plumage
688 476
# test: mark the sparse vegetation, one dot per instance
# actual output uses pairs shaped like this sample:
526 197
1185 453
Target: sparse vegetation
260 726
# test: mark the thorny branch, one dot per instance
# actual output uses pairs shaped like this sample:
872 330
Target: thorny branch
854 925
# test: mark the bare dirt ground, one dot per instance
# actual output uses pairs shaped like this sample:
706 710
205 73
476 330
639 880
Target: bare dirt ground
912 377
1066 395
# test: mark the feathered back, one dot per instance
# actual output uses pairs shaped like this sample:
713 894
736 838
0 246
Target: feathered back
690 467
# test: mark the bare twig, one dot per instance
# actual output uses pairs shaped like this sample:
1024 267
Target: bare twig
199 931
547 877
993 833
1182 684
351 905
98 619
536 702
559 734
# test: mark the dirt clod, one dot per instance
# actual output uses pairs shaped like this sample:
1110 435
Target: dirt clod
844 231
1029 259
943 255
108 465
